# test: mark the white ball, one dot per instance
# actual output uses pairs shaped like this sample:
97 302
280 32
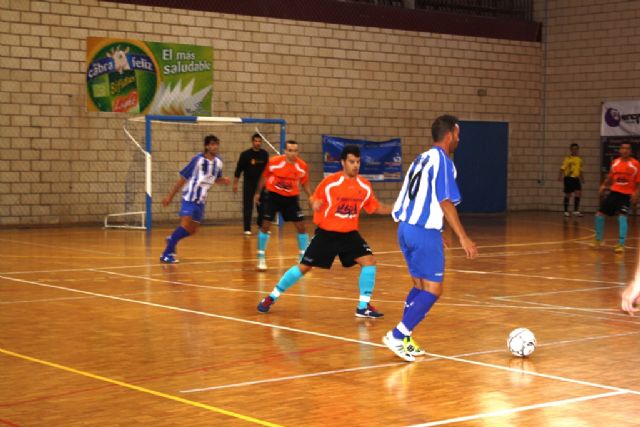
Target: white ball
521 342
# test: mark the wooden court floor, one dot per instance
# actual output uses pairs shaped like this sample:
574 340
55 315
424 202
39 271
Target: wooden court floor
94 331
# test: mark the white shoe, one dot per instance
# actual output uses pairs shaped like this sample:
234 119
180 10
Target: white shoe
399 347
567 214
247 233
262 264
577 213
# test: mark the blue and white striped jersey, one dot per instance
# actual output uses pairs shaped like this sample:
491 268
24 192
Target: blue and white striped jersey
201 173
430 180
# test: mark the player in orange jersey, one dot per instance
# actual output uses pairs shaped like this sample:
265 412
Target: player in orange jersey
282 178
623 179
337 203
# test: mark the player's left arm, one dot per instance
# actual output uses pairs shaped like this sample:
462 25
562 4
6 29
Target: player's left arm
221 180
451 215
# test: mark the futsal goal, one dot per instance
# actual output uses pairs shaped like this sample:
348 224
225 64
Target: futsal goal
158 147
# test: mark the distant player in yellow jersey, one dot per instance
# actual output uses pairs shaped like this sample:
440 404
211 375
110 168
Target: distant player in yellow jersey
571 171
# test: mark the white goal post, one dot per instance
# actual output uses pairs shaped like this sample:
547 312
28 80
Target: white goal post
144 218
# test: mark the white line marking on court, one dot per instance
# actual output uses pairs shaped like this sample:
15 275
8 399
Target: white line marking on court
520 409
122 267
536 294
319 334
201 313
57 247
420 360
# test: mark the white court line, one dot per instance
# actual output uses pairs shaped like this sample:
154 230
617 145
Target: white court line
520 409
319 334
386 365
122 267
536 294
529 276
57 247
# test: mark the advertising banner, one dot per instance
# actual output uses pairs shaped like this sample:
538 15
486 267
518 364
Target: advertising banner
620 118
379 161
133 76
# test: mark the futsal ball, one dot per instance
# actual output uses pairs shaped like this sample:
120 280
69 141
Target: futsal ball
521 342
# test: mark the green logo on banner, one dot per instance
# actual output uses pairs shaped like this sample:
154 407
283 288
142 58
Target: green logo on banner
121 77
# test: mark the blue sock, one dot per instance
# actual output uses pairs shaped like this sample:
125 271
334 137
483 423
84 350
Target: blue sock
366 283
599 227
263 238
622 228
287 280
178 234
417 310
412 294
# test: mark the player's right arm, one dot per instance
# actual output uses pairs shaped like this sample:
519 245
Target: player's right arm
240 167
451 215
319 198
176 187
631 294
563 167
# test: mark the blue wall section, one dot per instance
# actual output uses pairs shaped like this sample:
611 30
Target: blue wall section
481 162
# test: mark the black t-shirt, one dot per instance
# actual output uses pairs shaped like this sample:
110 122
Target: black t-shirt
252 164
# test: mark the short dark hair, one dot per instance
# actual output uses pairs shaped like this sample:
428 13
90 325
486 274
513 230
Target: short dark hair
256 135
442 125
291 141
350 149
574 145
210 139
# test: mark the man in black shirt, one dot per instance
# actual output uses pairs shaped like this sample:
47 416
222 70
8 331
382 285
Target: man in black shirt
252 163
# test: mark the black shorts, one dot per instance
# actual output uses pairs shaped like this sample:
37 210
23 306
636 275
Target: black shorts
325 245
287 206
572 184
616 202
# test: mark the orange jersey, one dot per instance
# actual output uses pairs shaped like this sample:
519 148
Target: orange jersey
624 175
283 177
342 199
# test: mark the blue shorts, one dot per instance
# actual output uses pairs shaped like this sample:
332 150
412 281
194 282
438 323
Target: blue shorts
192 209
423 250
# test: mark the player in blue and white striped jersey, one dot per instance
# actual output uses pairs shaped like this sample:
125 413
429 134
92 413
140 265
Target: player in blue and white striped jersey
429 194
204 170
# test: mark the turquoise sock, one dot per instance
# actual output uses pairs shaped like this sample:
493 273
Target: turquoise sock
287 280
599 227
366 283
303 241
622 228
263 238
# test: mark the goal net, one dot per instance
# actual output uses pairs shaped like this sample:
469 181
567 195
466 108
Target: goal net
158 147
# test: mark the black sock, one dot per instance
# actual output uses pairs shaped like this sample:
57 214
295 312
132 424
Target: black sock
566 204
576 204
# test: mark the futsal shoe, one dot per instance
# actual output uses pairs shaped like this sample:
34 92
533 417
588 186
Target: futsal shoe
619 248
567 214
414 349
596 243
265 304
399 347
369 311
247 233
169 259
577 213
262 264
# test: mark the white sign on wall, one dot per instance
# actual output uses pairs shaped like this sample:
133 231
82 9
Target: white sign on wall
620 118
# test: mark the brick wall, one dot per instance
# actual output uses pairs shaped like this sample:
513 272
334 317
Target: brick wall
321 78
592 56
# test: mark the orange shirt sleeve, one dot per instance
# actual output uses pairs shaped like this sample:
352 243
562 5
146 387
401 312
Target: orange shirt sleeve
371 204
305 178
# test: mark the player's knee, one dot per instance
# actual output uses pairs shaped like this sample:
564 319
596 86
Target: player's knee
304 269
